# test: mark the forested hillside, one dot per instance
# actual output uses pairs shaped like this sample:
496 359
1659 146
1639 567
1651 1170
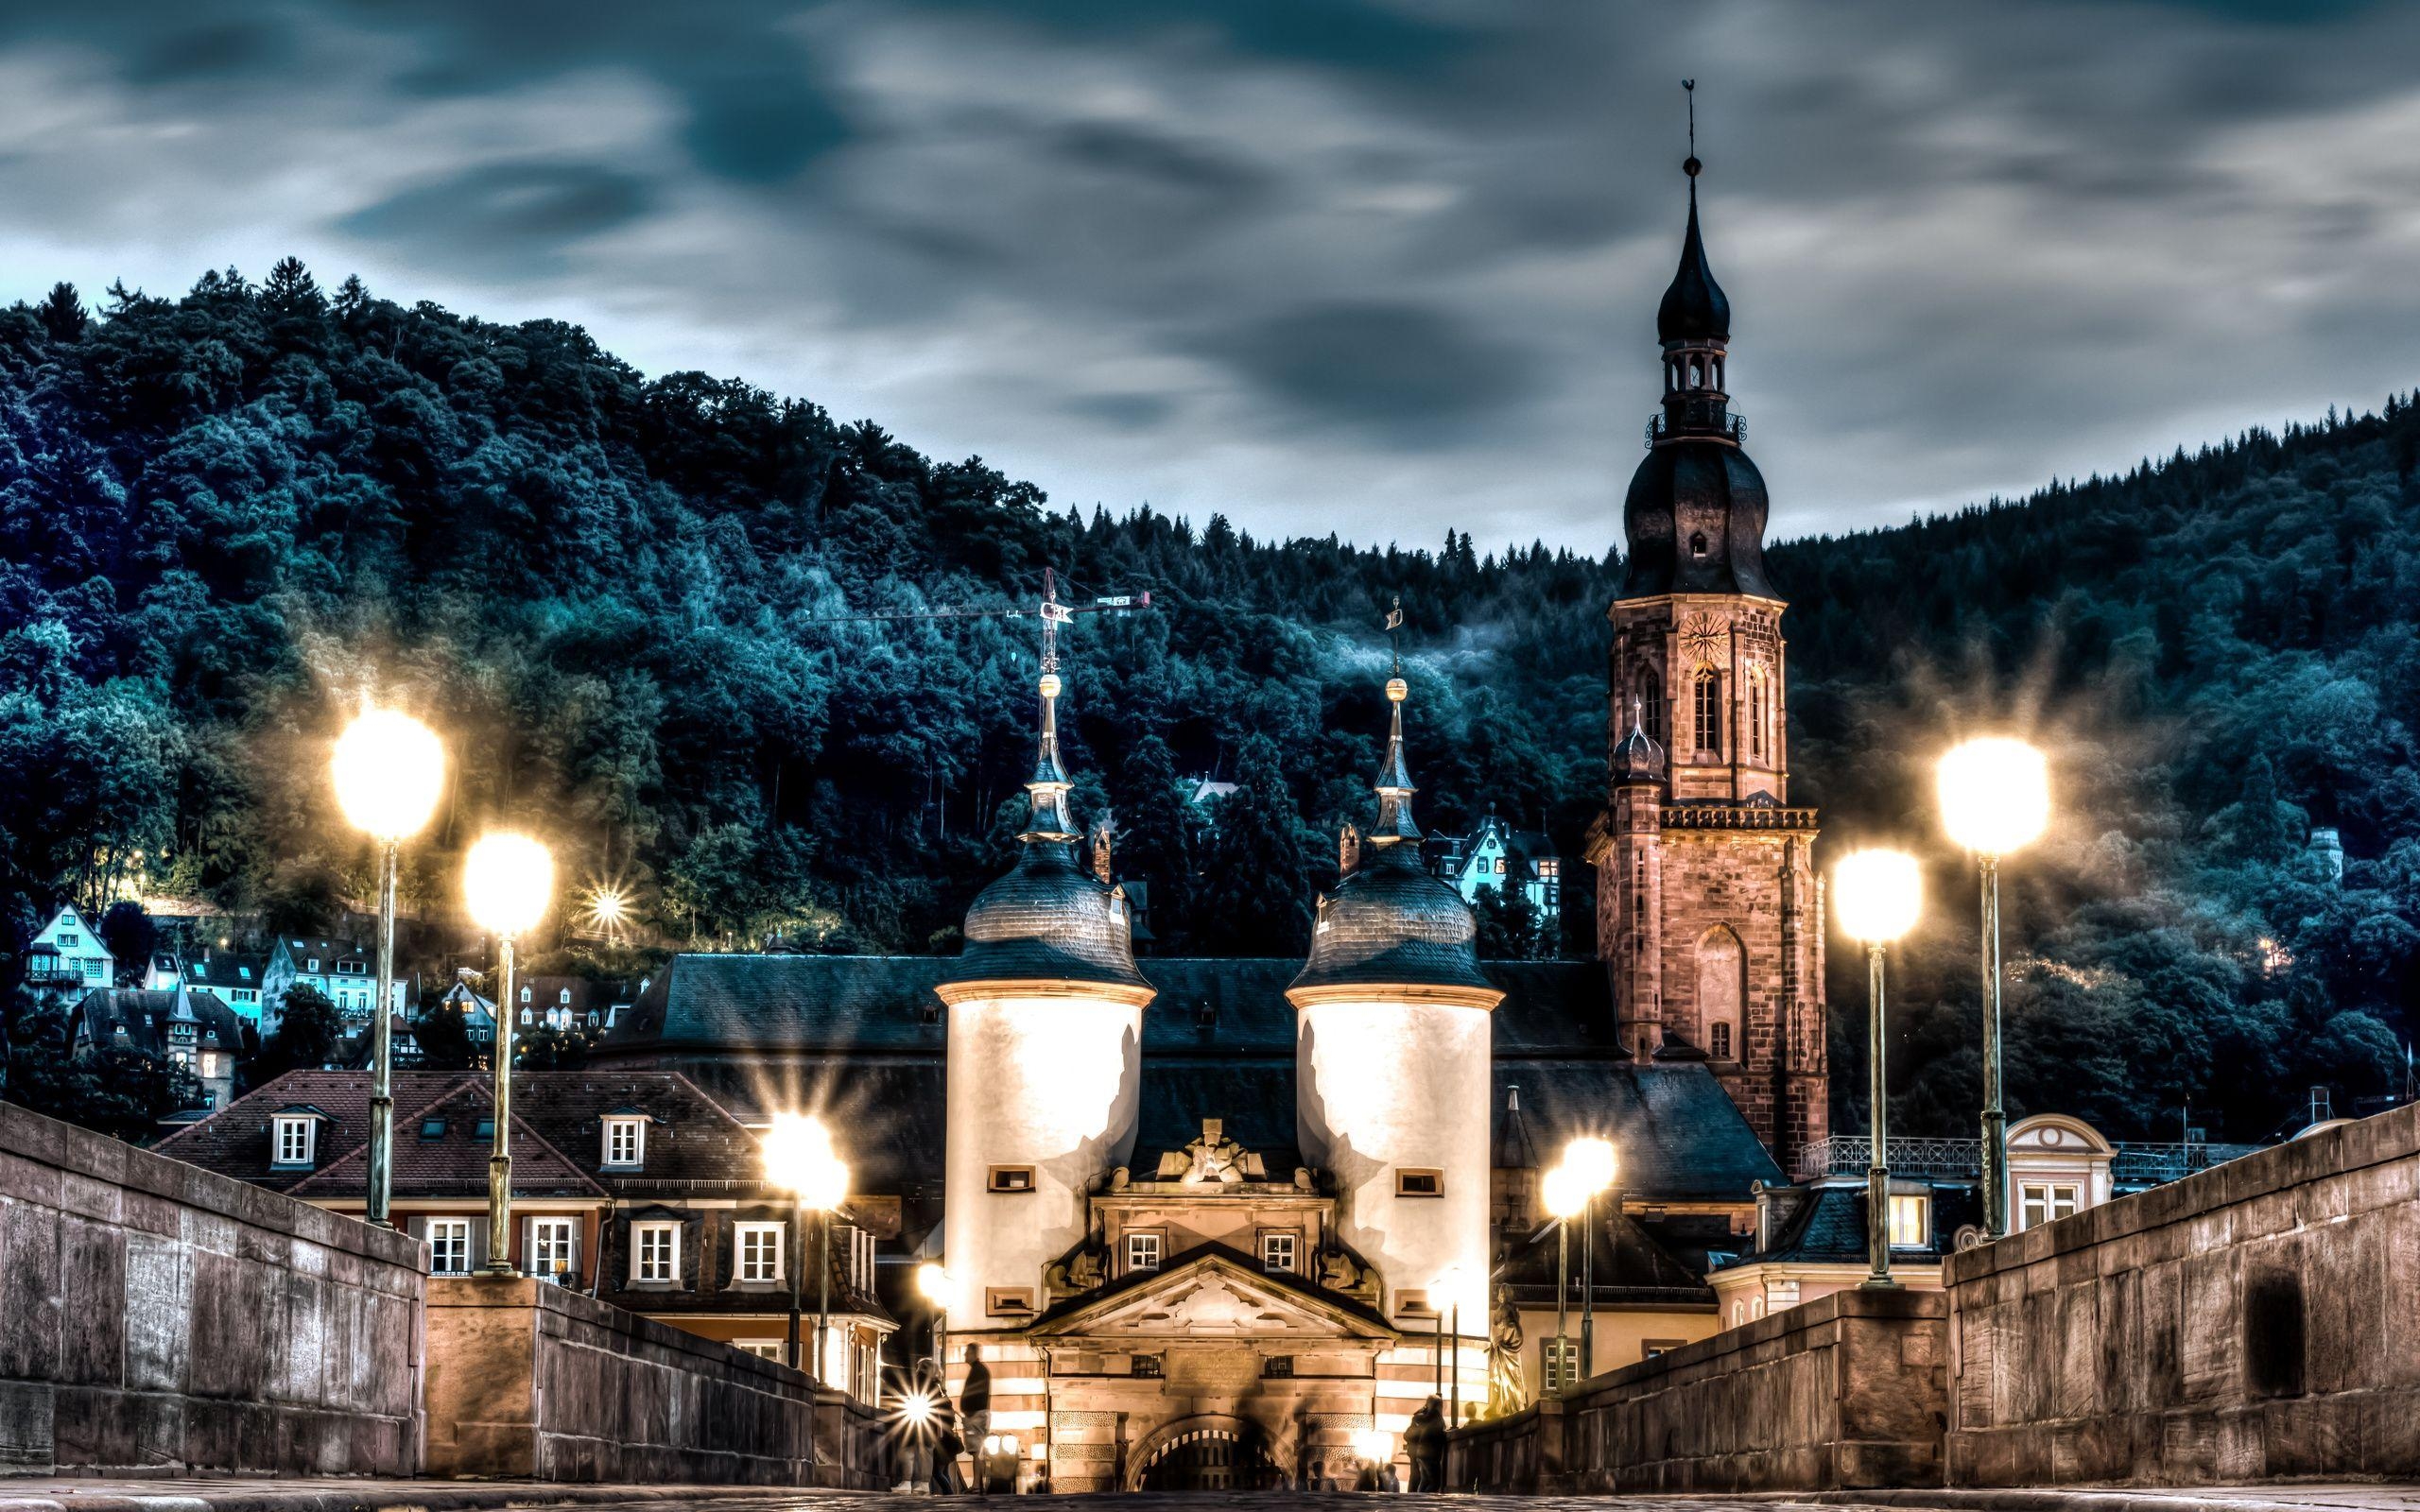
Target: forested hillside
226 519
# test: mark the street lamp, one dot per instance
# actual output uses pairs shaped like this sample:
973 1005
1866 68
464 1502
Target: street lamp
1445 1299
933 1283
1565 1192
1995 798
800 1160
508 881
1877 896
388 769
1593 1157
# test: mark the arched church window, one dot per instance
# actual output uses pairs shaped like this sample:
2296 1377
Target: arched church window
1757 714
1697 543
1721 985
1708 711
1651 703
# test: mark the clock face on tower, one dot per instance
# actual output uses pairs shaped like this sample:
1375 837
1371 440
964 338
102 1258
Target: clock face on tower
1701 637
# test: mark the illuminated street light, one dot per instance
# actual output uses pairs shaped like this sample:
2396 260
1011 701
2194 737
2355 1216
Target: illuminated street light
800 1160
1565 1193
932 1283
1593 1157
508 881
1995 798
388 769
1878 895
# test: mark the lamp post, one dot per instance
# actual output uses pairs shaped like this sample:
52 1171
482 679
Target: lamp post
508 881
1593 1158
1995 798
1446 1298
800 1160
1566 1194
388 769
933 1283
1877 896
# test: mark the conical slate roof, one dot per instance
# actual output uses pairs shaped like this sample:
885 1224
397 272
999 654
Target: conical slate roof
1694 307
1046 921
1391 923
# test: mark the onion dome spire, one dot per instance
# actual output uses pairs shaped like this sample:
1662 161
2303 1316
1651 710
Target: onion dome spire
1048 923
1694 308
1394 786
1047 788
1638 758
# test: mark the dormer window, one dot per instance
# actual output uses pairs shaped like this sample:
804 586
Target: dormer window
311 965
293 1140
525 994
625 1142
563 996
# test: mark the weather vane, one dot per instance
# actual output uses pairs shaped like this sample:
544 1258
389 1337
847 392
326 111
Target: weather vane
1689 92
1395 623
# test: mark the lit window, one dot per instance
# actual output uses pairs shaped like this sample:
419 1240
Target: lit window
1562 1362
2044 1202
1142 1252
774 1349
209 1063
68 939
312 965
553 1249
449 1247
1277 1252
626 1142
655 1252
760 1251
1910 1222
292 1140
563 996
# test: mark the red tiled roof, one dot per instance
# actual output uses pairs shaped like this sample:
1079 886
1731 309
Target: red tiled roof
454 1164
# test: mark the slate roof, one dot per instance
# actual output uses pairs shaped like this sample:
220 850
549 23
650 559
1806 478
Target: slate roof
223 971
454 1164
1630 1267
145 1014
861 1037
1826 1225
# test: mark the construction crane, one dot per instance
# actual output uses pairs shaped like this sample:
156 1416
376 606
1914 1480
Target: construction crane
1052 613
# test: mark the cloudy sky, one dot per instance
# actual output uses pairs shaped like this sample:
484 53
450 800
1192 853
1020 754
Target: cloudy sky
1372 266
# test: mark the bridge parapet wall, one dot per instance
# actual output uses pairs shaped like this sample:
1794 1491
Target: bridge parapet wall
2257 1321
156 1317
1846 1392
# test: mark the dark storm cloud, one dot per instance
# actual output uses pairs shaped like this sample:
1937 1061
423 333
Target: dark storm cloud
1377 267
1408 375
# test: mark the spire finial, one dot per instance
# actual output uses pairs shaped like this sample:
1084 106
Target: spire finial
1394 774
1691 164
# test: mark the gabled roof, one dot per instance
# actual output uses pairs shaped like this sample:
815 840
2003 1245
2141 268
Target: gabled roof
1826 1224
223 970
145 1014
1212 1292
453 1164
1678 1136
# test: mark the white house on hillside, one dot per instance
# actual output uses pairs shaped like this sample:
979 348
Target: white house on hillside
68 951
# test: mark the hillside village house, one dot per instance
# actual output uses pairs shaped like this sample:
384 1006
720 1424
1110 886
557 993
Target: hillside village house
633 1187
67 953
237 980
342 971
1497 858
194 1030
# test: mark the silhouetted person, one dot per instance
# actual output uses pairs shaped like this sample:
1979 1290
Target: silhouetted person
1424 1444
975 1411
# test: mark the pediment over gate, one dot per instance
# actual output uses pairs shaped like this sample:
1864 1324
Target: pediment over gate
1215 1293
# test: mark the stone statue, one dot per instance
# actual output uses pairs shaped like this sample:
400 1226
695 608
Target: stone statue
1215 1158
1508 1388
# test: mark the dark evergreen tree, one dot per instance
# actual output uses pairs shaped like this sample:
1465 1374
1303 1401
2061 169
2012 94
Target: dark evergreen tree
1253 896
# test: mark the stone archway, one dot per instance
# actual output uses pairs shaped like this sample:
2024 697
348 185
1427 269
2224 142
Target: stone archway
1205 1453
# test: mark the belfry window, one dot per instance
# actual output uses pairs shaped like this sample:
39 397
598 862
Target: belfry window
1708 711
1757 715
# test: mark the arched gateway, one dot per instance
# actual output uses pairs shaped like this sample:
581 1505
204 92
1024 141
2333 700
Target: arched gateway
1205 1453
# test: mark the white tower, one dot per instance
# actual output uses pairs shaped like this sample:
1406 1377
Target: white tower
1046 1031
1392 1053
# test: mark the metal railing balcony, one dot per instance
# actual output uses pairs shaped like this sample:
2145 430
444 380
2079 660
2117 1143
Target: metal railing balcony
2136 1162
1735 429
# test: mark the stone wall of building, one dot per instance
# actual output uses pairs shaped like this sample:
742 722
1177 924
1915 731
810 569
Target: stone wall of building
529 1381
2259 1321
156 1317
1846 1392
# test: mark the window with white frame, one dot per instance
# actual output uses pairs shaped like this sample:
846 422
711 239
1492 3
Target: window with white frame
1277 1251
1910 1221
449 1247
554 1245
626 1142
760 1251
1142 1252
764 1349
2041 1202
1562 1363
655 1252
292 1138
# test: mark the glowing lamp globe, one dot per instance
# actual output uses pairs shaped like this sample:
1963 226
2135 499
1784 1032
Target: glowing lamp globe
507 880
1876 894
389 771
1593 1158
932 1283
916 1409
1375 1445
800 1160
1995 795
1565 1191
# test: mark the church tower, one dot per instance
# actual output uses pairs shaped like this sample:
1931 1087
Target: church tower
1044 1078
1709 914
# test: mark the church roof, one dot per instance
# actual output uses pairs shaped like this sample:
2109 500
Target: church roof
1695 520
1694 307
862 1037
